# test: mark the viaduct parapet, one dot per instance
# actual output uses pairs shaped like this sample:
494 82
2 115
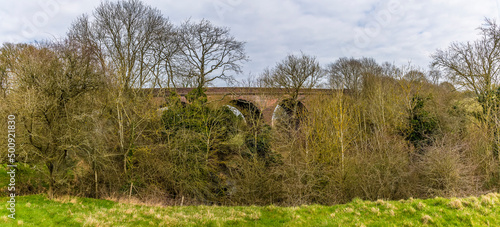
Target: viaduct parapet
250 99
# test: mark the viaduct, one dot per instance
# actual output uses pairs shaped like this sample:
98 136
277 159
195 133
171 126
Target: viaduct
250 100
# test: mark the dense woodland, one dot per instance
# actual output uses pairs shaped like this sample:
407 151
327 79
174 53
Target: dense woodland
86 123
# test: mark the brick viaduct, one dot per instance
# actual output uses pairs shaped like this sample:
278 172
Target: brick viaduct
249 99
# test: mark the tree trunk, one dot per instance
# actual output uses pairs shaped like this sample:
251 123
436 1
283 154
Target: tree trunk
50 167
96 184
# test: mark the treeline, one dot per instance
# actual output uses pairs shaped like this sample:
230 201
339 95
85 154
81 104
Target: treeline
87 126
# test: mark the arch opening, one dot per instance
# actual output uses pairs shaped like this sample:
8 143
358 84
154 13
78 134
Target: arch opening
289 113
236 112
249 111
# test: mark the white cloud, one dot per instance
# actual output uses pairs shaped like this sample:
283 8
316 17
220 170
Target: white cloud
395 31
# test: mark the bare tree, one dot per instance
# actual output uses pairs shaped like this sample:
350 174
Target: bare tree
415 75
135 46
345 73
167 59
129 38
348 73
476 66
6 53
434 76
209 52
294 73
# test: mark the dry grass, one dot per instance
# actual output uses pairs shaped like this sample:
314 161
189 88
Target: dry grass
65 199
420 206
348 210
136 201
426 219
456 204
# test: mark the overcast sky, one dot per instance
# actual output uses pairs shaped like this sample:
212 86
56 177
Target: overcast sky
394 31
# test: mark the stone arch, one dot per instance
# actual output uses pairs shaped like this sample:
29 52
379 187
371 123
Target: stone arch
287 108
236 112
250 111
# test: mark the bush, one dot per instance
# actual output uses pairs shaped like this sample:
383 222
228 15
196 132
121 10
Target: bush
443 170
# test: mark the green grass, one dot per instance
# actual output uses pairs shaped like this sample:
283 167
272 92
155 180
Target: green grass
37 210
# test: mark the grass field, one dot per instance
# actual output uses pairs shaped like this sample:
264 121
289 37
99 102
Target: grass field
37 210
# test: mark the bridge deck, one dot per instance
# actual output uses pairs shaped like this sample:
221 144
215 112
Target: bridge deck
242 91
